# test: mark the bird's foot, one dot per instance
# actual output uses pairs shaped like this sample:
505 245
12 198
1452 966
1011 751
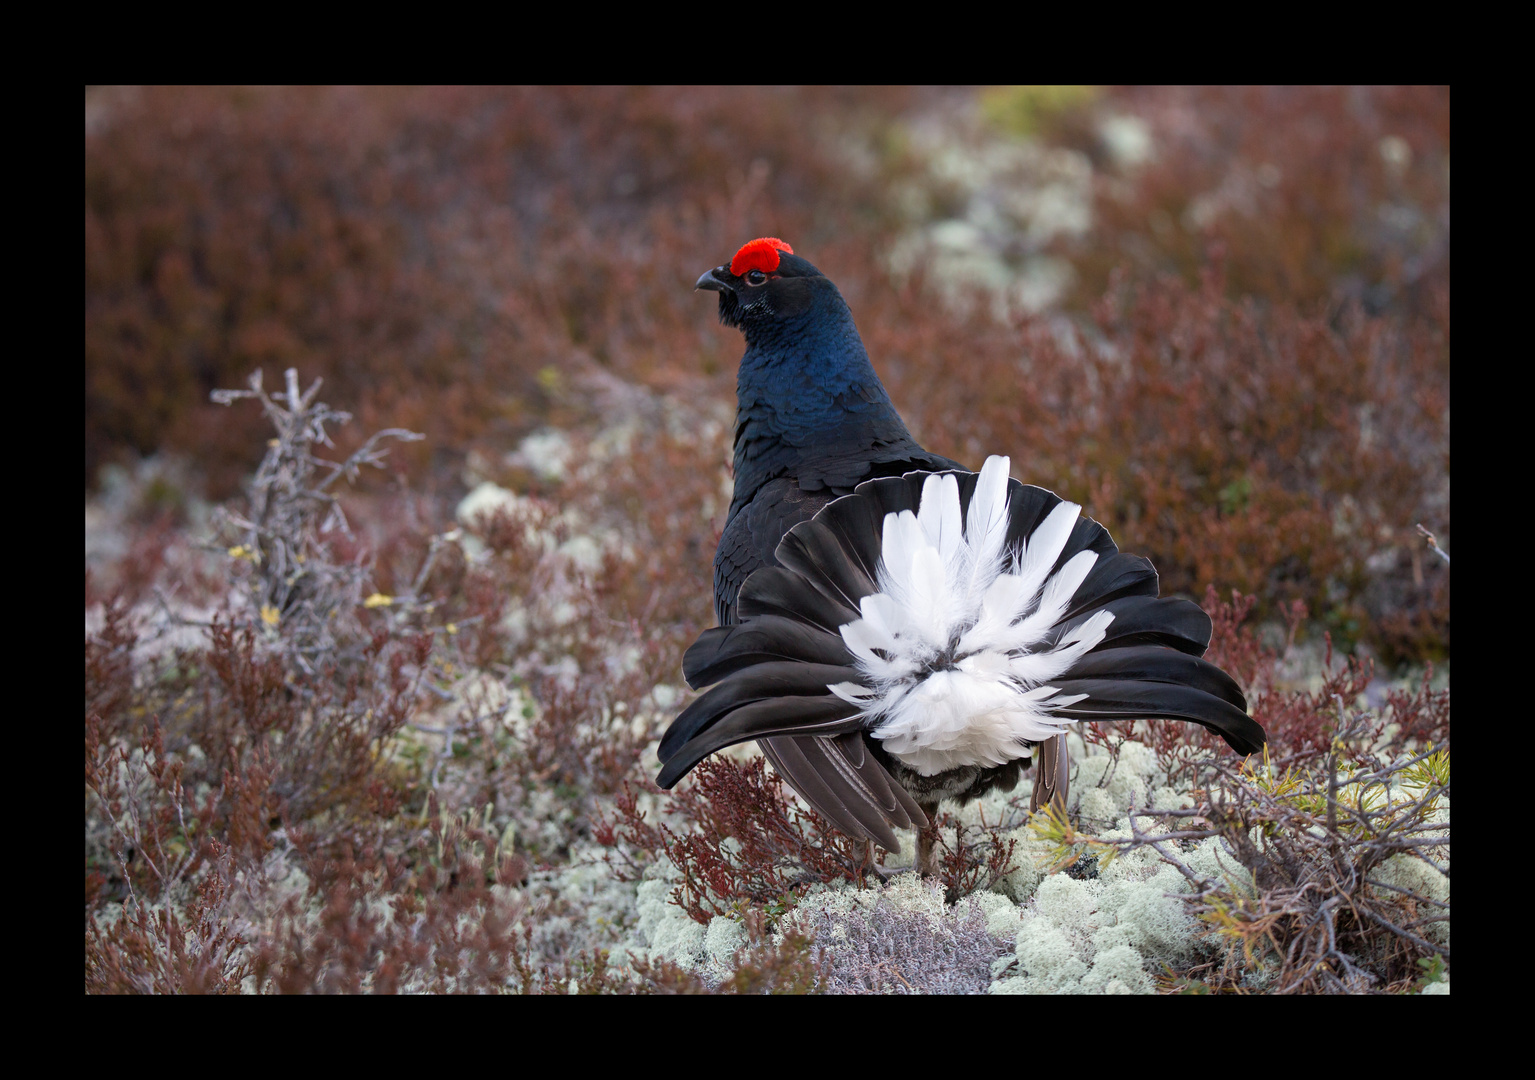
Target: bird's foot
871 865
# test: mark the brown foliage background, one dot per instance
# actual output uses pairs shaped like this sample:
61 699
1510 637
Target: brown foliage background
1251 385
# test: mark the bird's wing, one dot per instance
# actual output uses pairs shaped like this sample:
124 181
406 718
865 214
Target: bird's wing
752 535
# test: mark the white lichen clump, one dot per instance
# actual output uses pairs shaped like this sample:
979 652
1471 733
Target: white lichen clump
1106 935
1033 932
665 929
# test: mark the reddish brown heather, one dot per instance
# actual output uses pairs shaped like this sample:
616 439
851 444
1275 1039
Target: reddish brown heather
1261 399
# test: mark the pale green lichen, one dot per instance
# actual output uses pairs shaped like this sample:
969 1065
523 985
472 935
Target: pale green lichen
1050 958
1104 787
724 937
1154 921
1003 920
1106 934
1404 871
1067 902
1031 857
905 892
1213 859
1119 970
668 931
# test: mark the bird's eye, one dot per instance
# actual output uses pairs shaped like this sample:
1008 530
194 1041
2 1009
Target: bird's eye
755 277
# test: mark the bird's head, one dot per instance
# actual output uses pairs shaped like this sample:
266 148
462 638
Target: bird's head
765 283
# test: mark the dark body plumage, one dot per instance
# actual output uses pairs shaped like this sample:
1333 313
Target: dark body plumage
813 420
824 471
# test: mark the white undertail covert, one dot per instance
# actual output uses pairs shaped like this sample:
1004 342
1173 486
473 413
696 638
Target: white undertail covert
952 648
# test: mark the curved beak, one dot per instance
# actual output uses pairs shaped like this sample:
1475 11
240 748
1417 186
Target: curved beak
710 279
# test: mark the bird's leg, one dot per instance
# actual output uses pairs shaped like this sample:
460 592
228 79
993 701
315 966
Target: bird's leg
926 862
1052 775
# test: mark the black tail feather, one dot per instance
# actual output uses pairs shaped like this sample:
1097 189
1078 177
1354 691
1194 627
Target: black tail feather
771 671
856 524
816 553
1146 620
793 715
892 494
1113 578
1157 664
854 752
1123 699
776 681
802 762
724 650
774 590
843 782
841 779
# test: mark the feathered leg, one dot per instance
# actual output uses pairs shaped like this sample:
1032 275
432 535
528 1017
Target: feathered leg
926 861
1052 775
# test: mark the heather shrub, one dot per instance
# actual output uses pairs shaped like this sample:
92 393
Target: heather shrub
1315 195
901 939
310 782
1330 874
1260 450
741 840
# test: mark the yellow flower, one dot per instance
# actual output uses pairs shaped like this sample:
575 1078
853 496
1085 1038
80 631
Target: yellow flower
269 614
240 551
378 600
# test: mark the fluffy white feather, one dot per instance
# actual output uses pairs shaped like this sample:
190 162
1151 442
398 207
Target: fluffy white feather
950 647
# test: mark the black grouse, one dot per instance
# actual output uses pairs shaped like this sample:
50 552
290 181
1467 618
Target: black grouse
894 628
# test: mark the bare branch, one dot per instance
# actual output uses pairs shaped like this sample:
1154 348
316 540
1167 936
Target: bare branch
1434 544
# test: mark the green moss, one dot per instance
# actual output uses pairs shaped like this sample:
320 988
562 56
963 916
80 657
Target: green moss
1030 111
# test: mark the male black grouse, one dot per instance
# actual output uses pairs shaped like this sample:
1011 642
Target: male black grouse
894 628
